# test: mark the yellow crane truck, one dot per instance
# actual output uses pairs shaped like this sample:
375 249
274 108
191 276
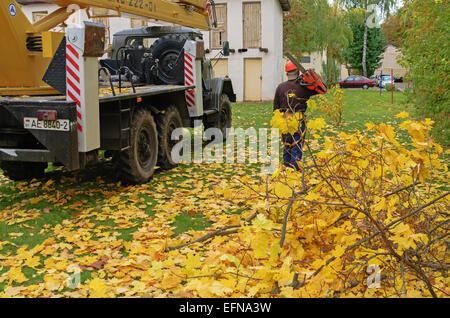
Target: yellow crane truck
50 107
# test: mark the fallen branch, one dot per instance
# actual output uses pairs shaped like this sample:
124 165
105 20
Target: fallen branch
285 219
401 189
227 230
224 231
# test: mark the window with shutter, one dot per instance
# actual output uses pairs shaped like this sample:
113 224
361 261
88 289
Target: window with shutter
219 35
306 59
138 23
104 20
252 24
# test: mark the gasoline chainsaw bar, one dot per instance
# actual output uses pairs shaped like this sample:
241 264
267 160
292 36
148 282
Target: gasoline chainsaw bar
309 78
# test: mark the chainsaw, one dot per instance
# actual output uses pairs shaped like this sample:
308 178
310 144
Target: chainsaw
309 78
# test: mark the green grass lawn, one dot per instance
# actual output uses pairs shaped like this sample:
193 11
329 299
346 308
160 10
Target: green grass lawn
360 106
33 212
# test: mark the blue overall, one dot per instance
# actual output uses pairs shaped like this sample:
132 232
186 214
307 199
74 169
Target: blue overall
292 154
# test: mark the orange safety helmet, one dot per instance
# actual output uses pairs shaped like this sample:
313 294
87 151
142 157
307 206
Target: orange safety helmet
290 67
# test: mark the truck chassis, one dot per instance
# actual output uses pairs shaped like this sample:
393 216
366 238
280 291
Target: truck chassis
25 152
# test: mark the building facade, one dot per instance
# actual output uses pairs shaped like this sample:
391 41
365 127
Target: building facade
254 30
390 62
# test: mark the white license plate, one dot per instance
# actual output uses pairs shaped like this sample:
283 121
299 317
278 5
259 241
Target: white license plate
34 123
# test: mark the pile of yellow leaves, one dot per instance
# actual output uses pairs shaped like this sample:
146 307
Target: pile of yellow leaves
366 217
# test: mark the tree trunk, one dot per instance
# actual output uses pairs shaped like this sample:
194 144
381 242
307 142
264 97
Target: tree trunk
364 56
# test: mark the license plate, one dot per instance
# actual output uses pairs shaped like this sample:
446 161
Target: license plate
34 123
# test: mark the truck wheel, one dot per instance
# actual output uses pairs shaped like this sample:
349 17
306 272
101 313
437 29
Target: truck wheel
224 117
137 164
169 51
167 123
19 171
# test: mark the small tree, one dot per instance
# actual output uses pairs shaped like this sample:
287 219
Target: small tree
330 72
384 6
312 25
426 53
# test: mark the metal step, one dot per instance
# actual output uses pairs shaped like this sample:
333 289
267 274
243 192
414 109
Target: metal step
208 112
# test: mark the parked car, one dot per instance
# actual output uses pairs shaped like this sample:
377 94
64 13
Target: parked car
386 79
375 79
356 81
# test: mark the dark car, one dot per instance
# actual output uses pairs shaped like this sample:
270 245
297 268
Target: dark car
356 81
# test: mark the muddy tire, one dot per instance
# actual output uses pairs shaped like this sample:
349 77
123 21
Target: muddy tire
20 171
167 123
137 164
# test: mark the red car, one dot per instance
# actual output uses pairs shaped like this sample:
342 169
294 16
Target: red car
356 81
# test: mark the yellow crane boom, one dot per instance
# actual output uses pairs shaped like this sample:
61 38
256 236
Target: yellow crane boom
26 49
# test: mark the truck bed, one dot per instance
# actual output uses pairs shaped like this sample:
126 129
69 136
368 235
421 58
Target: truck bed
141 91
61 145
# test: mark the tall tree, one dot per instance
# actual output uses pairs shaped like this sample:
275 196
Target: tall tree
375 44
312 25
370 7
392 30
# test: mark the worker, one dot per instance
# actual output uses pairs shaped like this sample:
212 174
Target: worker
291 97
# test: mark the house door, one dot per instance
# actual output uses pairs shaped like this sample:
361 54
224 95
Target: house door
220 67
252 79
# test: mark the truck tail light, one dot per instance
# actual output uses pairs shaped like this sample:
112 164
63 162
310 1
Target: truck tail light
47 115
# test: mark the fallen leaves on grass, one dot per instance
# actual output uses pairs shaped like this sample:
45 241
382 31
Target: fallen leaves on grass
268 237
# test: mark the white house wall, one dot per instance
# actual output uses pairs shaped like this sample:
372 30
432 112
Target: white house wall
30 8
271 38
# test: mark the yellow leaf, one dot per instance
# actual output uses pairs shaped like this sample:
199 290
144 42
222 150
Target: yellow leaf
370 125
275 250
260 245
312 196
282 190
98 289
193 261
339 251
317 124
220 290
380 205
15 275
318 263
35 200
403 114
262 223
33 261
14 291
